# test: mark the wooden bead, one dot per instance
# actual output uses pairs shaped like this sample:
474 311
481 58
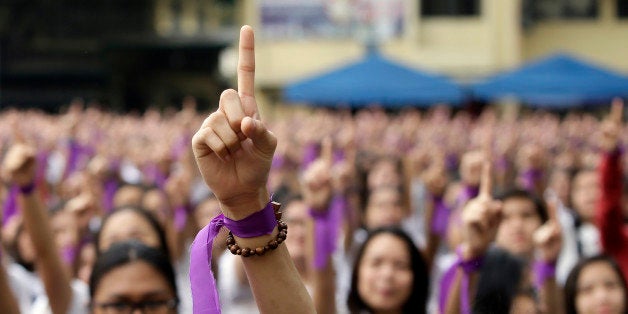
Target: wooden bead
281 235
246 252
230 241
233 249
239 252
273 244
266 248
279 240
260 251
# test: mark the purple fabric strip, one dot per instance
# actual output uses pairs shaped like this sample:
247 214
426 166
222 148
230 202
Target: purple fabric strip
447 281
180 217
73 157
339 155
111 186
68 254
10 204
440 216
467 193
445 286
309 155
257 224
542 272
205 298
530 178
326 229
464 295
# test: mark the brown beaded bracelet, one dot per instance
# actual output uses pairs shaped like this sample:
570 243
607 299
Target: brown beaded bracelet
282 227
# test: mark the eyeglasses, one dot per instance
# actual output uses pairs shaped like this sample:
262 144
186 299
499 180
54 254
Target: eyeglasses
146 307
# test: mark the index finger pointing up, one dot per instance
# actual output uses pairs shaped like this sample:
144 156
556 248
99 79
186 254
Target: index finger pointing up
486 180
617 110
246 70
552 209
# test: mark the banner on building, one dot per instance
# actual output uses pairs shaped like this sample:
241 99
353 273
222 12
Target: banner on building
302 19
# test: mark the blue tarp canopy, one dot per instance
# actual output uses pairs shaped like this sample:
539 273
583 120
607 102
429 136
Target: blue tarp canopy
374 80
558 81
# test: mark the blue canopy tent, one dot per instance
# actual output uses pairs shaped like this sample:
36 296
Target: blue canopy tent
558 81
374 80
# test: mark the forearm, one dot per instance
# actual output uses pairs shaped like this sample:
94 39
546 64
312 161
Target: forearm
609 215
324 289
274 279
48 262
550 297
8 304
454 298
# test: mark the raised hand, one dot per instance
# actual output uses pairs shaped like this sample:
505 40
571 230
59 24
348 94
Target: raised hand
233 148
18 166
611 127
481 216
317 180
548 239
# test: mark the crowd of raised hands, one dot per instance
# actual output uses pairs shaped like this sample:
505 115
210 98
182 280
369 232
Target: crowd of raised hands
416 211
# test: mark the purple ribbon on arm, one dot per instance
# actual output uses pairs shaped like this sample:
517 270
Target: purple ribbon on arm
440 216
326 229
180 217
69 253
448 278
110 187
530 178
10 204
310 154
205 298
467 193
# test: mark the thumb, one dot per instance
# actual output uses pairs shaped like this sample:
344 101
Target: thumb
262 138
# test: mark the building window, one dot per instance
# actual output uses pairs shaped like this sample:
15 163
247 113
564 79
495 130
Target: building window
565 9
450 7
622 8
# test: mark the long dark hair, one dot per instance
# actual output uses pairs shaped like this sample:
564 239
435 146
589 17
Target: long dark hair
146 215
571 285
417 300
122 253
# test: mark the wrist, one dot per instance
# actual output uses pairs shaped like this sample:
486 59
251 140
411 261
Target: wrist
467 252
543 271
245 205
28 188
467 261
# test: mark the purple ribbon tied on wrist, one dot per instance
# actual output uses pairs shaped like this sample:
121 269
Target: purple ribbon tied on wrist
326 229
440 216
205 298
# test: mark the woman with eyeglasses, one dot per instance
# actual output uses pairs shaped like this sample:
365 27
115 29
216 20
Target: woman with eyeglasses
131 276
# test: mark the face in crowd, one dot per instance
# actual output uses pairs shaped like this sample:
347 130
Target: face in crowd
596 285
520 219
131 276
389 276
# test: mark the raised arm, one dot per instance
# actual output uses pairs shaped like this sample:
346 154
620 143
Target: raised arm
609 217
548 243
234 150
480 219
317 193
19 167
8 304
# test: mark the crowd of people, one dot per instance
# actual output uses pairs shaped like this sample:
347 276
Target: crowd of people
430 211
